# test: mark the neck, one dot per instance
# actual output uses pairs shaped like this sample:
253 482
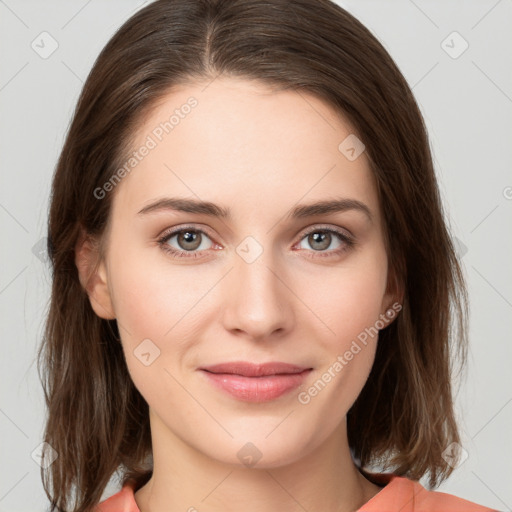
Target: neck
183 478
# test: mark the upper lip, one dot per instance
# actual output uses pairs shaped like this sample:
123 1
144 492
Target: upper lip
247 369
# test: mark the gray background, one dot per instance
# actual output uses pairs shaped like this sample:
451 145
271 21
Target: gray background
466 99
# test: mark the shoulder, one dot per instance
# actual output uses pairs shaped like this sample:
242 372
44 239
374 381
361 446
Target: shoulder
404 495
123 501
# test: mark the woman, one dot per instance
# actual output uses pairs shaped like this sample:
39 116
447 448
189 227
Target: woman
254 288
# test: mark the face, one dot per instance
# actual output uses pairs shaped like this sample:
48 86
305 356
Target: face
270 281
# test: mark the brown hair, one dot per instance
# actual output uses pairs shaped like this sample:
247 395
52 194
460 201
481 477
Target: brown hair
404 417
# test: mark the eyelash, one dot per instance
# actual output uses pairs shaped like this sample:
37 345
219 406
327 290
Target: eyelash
348 242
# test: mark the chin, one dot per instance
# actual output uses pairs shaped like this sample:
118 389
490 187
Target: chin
254 447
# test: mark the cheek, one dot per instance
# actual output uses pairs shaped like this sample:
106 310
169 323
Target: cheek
151 298
347 299
159 310
348 306
152 311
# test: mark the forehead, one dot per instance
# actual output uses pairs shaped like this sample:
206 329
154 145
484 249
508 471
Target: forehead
240 142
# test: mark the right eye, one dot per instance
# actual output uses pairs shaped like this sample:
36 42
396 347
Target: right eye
190 242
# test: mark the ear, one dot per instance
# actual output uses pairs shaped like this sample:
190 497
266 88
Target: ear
93 276
393 297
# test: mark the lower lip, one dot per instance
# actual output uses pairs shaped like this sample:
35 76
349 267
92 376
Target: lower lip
256 389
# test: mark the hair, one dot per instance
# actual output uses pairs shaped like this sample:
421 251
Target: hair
403 419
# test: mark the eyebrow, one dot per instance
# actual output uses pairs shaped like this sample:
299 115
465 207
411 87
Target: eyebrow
211 209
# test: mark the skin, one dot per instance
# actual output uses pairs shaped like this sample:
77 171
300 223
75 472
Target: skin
259 153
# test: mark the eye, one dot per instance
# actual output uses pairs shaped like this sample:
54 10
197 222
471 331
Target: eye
320 239
189 240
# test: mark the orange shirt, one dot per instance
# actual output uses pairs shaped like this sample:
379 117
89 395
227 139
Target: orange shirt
399 495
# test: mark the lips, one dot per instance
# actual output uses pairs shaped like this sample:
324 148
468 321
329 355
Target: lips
247 369
255 382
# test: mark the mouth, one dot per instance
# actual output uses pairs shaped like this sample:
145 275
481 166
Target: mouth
255 382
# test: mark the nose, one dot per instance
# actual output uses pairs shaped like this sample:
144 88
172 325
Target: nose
259 301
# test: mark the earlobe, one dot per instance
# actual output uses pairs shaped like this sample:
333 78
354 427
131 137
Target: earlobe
93 277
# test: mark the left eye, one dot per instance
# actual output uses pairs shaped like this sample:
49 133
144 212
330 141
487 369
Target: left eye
320 240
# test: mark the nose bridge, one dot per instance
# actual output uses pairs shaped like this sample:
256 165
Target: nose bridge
259 303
